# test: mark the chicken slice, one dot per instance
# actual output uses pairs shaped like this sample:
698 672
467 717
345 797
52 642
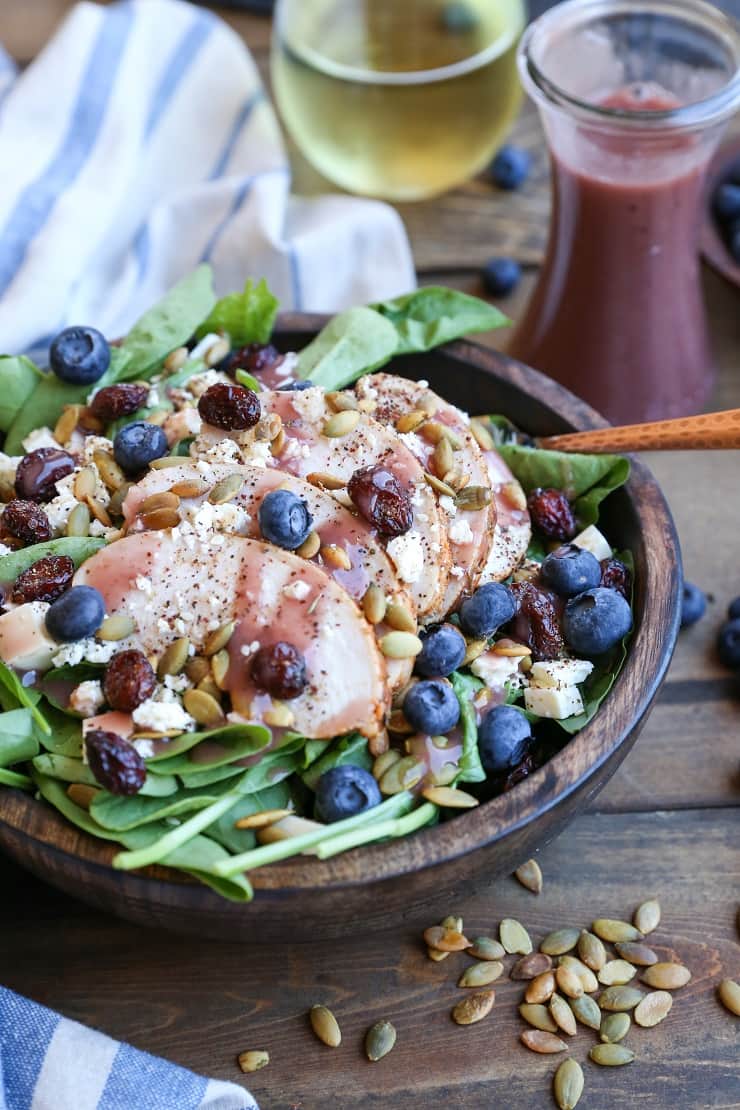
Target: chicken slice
513 526
347 536
174 583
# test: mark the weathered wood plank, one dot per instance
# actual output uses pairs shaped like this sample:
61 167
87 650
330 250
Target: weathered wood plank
207 1002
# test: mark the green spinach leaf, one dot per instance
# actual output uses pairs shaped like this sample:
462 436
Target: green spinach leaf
14 778
169 324
18 737
470 766
119 813
350 345
14 695
18 379
350 749
193 752
78 548
434 315
246 317
240 840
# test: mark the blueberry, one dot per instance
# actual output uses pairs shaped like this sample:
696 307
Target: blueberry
459 17
75 615
570 570
694 605
284 519
293 387
726 203
733 241
595 621
510 167
344 791
489 607
79 355
137 444
728 644
733 610
443 650
504 735
431 706
501 276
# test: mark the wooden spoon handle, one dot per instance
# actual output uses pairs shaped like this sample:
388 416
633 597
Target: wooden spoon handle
709 431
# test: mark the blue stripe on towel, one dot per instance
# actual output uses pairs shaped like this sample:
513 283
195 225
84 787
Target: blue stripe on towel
295 279
181 59
140 1081
37 200
243 117
25 1033
240 196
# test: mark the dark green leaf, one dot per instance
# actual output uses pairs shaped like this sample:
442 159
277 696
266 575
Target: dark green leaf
350 345
350 749
169 324
193 752
65 733
434 315
248 380
122 813
18 737
78 548
470 766
246 317
240 840
14 778
18 379
68 769
14 695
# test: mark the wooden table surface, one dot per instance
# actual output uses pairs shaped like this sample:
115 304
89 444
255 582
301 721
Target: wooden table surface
668 825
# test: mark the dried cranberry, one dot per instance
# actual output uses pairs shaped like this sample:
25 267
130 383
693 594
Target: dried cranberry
128 680
519 773
114 401
256 358
537 621
26 521
551 514
280 670
231 407
382 500
39 471
114 762
616 576
45 580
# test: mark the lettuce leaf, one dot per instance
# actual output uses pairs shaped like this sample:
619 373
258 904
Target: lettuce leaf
246 317
434 315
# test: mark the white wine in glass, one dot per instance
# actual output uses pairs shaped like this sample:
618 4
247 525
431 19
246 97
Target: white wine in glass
400 99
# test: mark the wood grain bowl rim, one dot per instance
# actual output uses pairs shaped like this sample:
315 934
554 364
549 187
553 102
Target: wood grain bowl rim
657 613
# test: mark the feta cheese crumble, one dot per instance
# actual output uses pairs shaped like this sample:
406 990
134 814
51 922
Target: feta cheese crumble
87 698
407 555
461 532
297 590
162 716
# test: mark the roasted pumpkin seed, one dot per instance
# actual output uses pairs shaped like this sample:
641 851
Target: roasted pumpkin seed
445 939
217 351
592 951
166 499
586 1011
410 421
439 486
444 457
384 761
452 921
530 875
226 489
529 967
540 989
473 498
400 645
190 487
219 638
481 974
538 1016
379 1040
515 937
160 519
325 1026
620 998
164 463
666 976
208 686
616 973
399 617
263 819
203 708
335 556
374 604
341 400
197 668
117 627
611 1055
341 424
540 1041
433 954
449 798
638 954
481 435
473 1008
614 1027
567 1084
647 916
559 942
253 1060
84 483
173 658
486 948
78 521
729 995
110 472
612 931
562 1015
278 715
473 649
81 794
67 423
654 1007
325 481
568 982
403 775
310 546
589 981
176 360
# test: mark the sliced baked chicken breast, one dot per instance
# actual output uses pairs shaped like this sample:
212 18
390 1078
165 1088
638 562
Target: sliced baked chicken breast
513 525
301 433
173 583
346 548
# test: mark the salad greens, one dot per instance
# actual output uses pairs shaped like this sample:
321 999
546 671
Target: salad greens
199 784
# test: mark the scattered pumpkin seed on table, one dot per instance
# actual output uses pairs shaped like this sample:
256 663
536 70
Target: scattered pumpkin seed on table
530 876
567 1084
615 973
481 974
638 954
647 916
541 988
529 967
609 929
539 1041
666 976
614 1027
445 939
560 942
538 1016
729 996
253 1060
591 951
611 1055
473 1008
562 1015
379 1040
620 998
586 1010
325 1026
653 1009
568 982
589 982
515 937
486 948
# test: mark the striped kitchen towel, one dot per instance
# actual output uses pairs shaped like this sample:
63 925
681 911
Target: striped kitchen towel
50 1063
139 143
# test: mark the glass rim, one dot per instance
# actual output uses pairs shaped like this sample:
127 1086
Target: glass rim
698 114
362 75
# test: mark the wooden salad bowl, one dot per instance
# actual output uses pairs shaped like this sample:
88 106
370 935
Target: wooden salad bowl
375 886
